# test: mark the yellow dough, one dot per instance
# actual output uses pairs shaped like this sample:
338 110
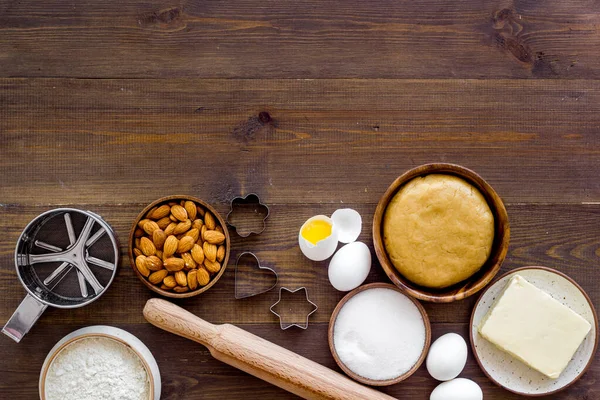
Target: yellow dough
438 230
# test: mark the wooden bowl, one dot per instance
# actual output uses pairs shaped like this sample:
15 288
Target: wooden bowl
361 379
478 280
157 289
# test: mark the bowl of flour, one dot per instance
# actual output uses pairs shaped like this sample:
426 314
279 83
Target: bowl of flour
100 362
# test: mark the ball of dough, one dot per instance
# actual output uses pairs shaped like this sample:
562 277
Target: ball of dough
438 230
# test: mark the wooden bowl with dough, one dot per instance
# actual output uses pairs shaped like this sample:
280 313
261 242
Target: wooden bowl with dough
475 282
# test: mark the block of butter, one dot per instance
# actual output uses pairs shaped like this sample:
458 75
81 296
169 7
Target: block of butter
529 324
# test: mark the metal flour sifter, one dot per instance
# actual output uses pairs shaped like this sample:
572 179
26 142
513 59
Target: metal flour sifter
65 258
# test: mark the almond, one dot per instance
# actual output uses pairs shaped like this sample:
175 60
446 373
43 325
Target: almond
174 264
181 278
164 287
192 279
194 233
181 289
219 229
150 227
190 208
201 211
137 252
202 277
159 254
137 243
138 233
147 247
140 263
220 253
210 251
183 227
197 224
179 212
170 246
172 218
188 260
202 230
170 228
158 276
160 212
172 203
185 244
163 223
198 254
142 222
213 237
149 213
154 263
209 221
212 266
158 238
170 281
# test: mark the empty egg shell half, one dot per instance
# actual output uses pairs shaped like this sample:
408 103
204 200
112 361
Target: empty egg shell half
348 223
323 248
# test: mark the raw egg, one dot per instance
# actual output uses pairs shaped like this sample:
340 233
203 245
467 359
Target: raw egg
318 238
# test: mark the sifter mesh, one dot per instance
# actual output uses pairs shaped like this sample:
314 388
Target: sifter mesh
66 257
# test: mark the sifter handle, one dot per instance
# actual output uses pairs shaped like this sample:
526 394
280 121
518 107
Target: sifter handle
259 357
23 318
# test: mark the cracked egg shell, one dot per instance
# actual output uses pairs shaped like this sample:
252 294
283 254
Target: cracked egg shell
318 238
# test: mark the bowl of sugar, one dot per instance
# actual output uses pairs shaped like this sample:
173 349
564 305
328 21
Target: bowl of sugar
100 362
378 335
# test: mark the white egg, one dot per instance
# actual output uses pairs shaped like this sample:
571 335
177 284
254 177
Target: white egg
348 223
350 266
447 357
324 248
457 389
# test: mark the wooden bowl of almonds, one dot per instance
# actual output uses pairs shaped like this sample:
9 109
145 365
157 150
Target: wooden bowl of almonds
179 246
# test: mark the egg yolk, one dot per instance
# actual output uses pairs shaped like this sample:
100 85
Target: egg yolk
316 231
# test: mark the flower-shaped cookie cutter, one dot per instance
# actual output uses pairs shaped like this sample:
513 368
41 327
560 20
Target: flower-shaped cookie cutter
249 259
295 309
248 215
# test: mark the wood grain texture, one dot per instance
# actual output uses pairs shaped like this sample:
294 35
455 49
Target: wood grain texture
300 39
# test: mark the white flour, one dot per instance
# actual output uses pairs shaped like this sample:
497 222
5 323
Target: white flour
94 369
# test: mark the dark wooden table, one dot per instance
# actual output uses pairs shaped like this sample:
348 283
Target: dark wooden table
108 105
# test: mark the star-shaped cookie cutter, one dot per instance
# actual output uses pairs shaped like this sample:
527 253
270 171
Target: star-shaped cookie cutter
285 325
243 210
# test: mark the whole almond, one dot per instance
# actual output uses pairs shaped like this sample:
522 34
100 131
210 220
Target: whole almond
220 253
172 218
170 281
170 228
181 202
209 221
138 233
158 238
147 247
160 212
179 212
174 264
170 246
182 227
142 222
159 254
188 260
197 224
194 233
219 229
164 287
181 278
149 213
153 263
210 251
140 263
202 230
201 211
212 266
185 244
137 252
150 227
163 223
202 277
192 279
198 254
190 208
181 289
158 276
213 237
137 243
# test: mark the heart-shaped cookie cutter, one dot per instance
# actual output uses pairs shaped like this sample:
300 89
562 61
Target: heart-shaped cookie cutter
244 209
252 257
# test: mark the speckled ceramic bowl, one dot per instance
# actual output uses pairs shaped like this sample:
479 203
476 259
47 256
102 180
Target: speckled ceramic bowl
110 332
508 372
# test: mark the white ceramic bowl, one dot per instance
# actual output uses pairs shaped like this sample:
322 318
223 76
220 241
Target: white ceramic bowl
135 344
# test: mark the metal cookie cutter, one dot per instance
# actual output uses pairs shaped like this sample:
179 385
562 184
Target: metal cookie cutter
248 264
294 310
53 245
248 215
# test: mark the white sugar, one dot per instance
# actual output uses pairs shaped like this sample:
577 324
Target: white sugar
379 334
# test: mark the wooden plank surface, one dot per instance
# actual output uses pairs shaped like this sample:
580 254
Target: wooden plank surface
109 105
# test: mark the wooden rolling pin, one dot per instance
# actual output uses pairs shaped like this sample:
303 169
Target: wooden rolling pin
259 357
